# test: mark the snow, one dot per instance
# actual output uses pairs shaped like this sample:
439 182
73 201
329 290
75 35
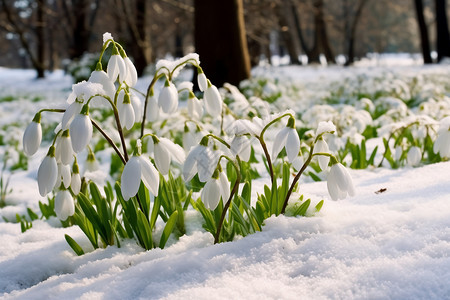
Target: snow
376 245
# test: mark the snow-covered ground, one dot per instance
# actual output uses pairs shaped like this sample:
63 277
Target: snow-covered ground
376 245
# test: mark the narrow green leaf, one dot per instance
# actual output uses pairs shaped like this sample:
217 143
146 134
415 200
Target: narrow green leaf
319 206
32 214
168 229
301 210
74 245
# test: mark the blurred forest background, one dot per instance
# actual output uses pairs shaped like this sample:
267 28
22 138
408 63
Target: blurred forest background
56 34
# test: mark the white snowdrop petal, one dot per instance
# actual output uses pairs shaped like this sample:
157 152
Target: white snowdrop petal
322 147
211 194
126 115
150 175
32 138
70 113
168 99
132 77
206 164
75 183
213 101
333 189
176 151
47 175
64 205
64 171
162 158
292 145
414 156
131 178
65 146
279 142
137 107
202 82
80 132
102 78
224 187
152 112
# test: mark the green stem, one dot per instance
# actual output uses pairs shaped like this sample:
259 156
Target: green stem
150 87
264 146
110 141
227 204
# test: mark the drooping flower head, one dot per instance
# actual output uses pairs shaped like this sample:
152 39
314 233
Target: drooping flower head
32 136
339 181
47 173
213 100
287 138
139 168
81 130
168 98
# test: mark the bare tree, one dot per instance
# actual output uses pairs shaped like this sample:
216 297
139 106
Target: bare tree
78 17
442 32
424 40
26 19
321 44
220 40
350 29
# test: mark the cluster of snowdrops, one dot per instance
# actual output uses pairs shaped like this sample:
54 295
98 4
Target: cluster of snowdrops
209 165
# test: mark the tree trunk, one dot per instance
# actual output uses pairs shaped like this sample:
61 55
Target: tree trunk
220 40
321 32
286 34
40 38
424 40
443 35
352 33
80 31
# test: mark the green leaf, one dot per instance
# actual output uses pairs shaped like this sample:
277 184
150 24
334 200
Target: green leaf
144 231
301 210
155 211
168 229
74 245
32 214
319 206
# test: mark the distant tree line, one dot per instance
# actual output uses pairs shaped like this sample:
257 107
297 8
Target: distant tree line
230 35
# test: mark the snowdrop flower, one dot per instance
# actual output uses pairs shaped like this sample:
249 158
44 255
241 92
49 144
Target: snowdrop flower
136 169
164 151
215 188
47 173
195 108
81 130
324 127
101 77
152 110
398 152
32 136
213 100
70 113
190 138
92 164
202 160
414 156
442 143
137 107
202 80
241 145
322 147
64 205
126 112
131 78
116 66
64 148
168 98
64 176
75 180
339 182
287 138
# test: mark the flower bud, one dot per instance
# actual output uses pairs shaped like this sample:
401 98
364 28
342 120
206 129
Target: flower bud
32 136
